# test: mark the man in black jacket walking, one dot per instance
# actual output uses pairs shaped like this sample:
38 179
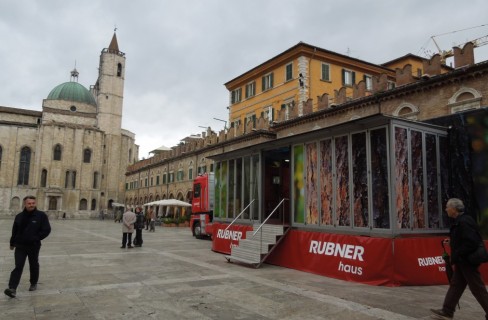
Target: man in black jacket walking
464 239
29 228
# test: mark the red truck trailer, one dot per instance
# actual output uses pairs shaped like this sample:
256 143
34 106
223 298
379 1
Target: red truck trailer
202 205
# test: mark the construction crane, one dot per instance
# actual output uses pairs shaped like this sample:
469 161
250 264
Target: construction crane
478 42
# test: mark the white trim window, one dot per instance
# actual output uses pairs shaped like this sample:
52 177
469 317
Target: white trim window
267 82
289 72
268 113
250 89
348 77
235 96
368 80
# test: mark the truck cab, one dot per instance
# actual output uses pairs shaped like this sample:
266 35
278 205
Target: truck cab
202 205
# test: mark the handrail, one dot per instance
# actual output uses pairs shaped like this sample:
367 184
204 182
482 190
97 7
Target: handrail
239 215
269 216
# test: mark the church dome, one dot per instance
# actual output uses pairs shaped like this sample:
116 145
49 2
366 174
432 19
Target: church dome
72 91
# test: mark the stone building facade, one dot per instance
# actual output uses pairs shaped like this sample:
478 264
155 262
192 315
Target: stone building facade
73 154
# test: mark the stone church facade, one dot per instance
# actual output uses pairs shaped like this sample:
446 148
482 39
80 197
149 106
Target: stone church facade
73 154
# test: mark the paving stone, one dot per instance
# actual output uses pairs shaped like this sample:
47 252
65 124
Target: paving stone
85 275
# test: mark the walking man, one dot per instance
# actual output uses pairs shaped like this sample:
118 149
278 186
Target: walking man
464 239
29 228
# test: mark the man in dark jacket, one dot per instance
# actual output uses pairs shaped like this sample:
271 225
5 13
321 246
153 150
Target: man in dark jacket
30 227
139 225
464 239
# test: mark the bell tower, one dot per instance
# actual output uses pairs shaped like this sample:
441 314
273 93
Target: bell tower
109 88
109 91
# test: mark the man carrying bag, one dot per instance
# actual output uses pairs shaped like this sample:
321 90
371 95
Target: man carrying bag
464 240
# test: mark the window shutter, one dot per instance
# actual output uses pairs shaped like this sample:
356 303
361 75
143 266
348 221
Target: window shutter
272 114
263 83
343 76
325 72
353 77
271 80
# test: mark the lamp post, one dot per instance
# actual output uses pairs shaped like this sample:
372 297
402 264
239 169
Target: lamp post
225 122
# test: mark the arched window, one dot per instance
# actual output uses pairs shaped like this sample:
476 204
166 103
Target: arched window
95 180
24 165
57 152
43 178
87 156
94 204
53 203
83 204
119 70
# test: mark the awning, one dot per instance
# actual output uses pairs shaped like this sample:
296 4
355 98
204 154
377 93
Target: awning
115 204
168 202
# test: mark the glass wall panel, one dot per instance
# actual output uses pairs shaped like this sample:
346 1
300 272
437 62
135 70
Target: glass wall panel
401 178
311 198
360 180
326 194
256 180
343 210
417 177
298 187
218 185
379 179
231 200
224 188
433 209
238 187
443 160
247 186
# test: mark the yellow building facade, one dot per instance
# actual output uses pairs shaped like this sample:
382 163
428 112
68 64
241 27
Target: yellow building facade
294 76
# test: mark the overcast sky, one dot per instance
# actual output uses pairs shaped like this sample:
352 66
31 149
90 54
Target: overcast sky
180 53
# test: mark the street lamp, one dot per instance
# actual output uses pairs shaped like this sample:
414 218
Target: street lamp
225 122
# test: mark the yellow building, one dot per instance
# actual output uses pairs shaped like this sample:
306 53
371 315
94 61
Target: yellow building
417 64
291 78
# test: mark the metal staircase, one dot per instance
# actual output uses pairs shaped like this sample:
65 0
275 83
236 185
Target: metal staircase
259 243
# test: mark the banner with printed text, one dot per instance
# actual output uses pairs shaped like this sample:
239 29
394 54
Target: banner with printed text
418 261
223 240
352 258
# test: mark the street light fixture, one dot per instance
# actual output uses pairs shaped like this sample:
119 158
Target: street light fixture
225 122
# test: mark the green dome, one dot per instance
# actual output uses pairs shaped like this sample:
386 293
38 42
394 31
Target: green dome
72 91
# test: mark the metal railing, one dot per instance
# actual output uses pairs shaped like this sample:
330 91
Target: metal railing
239 215
269 216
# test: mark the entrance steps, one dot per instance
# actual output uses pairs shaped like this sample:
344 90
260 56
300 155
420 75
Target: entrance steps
254 249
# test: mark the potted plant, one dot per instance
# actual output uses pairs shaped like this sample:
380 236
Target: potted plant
167 222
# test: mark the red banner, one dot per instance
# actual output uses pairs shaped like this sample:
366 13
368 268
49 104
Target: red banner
223 240
352 258
374 261
418 261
